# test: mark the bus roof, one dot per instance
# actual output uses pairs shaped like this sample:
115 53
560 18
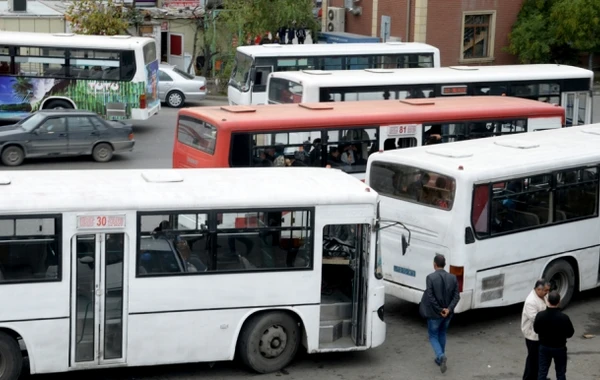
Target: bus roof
452 74
308 50
504 156
72 40
162 189
370 112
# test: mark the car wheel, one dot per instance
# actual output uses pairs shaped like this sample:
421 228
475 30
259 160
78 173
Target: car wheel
175 99
102 152
13 156
58 105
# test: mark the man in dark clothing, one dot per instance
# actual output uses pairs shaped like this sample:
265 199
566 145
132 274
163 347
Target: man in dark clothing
553 328
437 305
291 33
301 34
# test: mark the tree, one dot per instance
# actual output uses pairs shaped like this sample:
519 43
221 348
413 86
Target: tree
577 24
100 18
255 17
538 35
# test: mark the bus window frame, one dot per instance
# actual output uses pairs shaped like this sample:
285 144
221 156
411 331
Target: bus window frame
553 187
323 146
503 120
214 230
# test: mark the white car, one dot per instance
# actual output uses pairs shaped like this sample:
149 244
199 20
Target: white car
176 86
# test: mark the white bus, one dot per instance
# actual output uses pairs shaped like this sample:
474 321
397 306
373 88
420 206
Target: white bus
114 76
253 64
147 267
504 211
571 87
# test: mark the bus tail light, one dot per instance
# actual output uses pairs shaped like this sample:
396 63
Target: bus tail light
143 101
131 136
459 273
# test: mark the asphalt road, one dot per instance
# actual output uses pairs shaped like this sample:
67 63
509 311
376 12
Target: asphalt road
483 344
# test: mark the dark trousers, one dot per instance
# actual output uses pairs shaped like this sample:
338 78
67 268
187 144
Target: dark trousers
531 364
560 362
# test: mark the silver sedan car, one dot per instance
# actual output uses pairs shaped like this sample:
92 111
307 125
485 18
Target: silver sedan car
176 86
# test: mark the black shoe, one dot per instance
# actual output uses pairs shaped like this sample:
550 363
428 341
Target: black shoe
443 367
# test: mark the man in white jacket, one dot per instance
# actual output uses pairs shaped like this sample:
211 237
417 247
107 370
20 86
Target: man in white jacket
535 302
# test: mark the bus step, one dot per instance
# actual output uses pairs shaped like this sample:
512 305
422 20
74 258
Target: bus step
330 331
336 311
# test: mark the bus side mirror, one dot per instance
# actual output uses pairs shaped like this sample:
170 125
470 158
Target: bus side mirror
405 245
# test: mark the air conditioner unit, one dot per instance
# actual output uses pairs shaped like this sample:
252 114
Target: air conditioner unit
336 19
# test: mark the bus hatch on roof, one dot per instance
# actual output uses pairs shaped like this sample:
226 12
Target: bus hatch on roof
317 72
380 71
517 144
316 106
592 131
470 68
418 102
162 177
4 180
450 153
238 109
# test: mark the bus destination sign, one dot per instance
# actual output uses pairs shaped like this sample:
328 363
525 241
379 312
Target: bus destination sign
454 90
402 129
100 221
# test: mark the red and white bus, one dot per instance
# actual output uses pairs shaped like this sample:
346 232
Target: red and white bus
343 135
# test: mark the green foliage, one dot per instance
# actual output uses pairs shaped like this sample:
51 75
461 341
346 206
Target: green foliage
255 17
540 33
99 18
578 23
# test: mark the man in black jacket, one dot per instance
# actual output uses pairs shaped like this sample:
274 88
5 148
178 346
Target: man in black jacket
553 328
437 305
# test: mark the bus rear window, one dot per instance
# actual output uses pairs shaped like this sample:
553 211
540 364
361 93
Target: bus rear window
150 53
284 91
197 134
412 184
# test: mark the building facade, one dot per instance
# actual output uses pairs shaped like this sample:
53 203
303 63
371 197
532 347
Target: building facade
467 32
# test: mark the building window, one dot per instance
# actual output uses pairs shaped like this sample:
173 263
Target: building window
478 36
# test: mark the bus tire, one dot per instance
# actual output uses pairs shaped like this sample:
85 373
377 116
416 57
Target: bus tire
13 155
269 341
102 152
11 360
175 99
561 276
58 105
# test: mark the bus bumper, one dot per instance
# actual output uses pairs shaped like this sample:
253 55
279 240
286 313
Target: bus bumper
414 295
144 113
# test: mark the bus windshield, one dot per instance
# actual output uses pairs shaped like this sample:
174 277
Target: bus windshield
412 184
240 74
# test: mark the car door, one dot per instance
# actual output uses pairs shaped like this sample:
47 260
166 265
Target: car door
82 135
50 138
165 82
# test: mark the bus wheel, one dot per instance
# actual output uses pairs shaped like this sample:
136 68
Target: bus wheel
58 105
13 156
11 360
269 342
562 279
175 99
102 152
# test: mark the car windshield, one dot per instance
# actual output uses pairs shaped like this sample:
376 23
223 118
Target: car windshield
29 123
183 73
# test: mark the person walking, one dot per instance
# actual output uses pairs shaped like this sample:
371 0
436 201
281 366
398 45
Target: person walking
554 328
437 305
301 35
535 302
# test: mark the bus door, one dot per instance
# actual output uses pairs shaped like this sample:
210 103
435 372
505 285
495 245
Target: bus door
98 300
360 264
578 107
400 136
260 74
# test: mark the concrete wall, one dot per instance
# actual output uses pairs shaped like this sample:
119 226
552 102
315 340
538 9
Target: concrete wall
28 24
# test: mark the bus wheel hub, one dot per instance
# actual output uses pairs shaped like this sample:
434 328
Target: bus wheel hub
273 342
